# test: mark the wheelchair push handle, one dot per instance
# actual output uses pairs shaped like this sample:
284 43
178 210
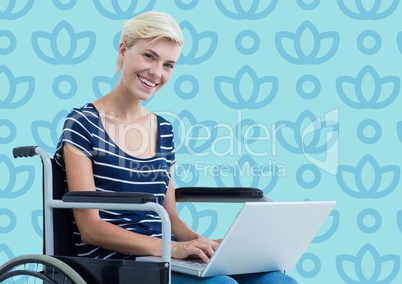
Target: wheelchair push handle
24 151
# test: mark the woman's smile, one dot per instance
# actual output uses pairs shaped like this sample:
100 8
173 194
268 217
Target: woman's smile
147 82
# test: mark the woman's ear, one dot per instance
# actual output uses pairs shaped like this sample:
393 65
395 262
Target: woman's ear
122 50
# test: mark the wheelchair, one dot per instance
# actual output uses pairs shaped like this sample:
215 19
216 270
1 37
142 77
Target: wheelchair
59 262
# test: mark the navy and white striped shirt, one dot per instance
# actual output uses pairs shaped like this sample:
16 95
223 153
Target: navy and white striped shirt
114 170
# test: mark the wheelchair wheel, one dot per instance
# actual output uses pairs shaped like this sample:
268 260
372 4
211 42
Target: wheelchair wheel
38 268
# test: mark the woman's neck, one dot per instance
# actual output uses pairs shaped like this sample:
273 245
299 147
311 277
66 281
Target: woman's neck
122 106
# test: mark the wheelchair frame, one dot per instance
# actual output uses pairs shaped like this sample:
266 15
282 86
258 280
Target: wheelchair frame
68 266
50 203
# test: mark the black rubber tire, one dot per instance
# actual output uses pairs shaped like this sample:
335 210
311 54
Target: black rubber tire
33 266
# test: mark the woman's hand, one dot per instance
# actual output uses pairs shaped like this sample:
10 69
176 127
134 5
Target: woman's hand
200 247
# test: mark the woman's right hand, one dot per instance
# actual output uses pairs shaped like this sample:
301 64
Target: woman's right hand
200 247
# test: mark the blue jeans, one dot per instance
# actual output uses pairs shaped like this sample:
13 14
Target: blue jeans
274 277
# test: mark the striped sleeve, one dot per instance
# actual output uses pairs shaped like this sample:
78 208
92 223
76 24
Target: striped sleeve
78 131
167 141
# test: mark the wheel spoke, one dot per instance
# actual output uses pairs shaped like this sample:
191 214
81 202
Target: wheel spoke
38 269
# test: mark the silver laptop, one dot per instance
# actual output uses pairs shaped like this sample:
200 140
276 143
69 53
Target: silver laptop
265 236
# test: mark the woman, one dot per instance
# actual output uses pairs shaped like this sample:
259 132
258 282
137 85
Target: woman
115 144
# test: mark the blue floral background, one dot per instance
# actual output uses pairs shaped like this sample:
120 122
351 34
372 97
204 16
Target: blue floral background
298 98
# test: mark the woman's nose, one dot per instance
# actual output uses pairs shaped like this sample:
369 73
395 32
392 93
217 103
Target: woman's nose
156 71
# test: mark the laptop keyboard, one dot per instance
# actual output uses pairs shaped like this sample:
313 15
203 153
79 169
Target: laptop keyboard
193 263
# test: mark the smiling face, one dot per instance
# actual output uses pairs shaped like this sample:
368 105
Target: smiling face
147 66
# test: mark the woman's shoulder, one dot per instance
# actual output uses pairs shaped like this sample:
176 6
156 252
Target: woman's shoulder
86 116
87 111
164 124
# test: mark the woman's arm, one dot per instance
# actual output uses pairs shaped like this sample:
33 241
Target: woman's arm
180 230
97 232
188 242
93 229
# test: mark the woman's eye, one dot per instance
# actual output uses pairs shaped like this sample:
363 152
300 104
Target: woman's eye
169 66
148 56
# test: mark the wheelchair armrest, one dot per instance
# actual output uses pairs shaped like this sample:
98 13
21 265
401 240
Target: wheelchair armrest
219 194
109 197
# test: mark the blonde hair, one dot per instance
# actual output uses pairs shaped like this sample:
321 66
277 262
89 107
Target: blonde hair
150 25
